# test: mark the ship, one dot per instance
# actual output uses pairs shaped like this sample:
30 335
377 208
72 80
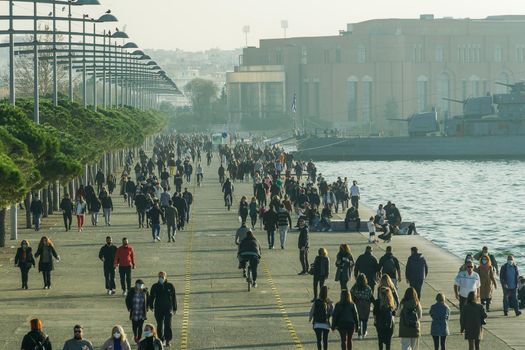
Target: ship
490 127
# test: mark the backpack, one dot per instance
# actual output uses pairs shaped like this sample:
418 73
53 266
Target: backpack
386 317
389 266
40 345
410 317
320 312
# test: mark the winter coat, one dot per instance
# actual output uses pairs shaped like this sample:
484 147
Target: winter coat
470 321
440 313
304 240
107 203
108 345
367 264
36 207
487 280
344 263
416 268
249 245
33 338
321 267
345 316
404 330
66 205
163 297
52 253
171 214
28 261
129 301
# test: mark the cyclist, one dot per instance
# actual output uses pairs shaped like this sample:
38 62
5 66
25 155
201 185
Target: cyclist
249 250
227 188
221 172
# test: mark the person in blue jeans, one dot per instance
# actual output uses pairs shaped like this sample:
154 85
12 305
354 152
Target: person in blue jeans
155 214
508 276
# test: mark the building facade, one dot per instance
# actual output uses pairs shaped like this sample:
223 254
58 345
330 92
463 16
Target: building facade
377 71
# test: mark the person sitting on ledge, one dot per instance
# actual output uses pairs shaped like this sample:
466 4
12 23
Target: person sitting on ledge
352 215
326 214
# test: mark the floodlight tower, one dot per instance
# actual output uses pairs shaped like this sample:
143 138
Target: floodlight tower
246 30
284 26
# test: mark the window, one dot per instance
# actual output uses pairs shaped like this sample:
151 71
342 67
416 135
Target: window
361 54
444 91
351 98
417 55
234 96
520 53
474 86
304 55
440 54
250 98
314 99
498 54
338 54
367 100
326 56
422 93
273 93
305 94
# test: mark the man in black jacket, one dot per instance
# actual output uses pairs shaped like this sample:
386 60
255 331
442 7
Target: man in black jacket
416 270
163 301
303 244
37 209
67 209
107 255
367 265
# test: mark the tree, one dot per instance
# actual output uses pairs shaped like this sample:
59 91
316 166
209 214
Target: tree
201 93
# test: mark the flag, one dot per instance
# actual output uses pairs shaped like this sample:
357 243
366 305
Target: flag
294 103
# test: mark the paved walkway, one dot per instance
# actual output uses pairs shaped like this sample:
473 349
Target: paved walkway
215 310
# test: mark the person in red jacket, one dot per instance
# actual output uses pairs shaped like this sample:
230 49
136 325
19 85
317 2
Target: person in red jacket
125 260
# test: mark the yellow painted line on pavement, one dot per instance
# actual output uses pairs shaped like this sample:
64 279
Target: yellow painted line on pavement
184 334
280 307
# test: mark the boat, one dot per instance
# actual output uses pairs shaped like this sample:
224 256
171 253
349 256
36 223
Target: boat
491 127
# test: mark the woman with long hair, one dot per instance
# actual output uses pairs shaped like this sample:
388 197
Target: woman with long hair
409 326
384 312
387 282
24 260
35 338
321 270
440 313
117 340
243 209
80 211
471 321
363 297
320 314
345 319
344 263
46 251
253 208
150 341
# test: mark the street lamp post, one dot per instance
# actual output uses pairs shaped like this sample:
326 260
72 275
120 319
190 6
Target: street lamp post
84 85
36 109
55 81
94 66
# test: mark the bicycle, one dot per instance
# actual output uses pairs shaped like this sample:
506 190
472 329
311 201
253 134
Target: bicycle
228 199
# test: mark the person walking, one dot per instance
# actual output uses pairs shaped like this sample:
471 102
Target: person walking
150 341
472 319
137 304
95 206
80 212
303 244
409 325
389 265
386 282
125 260
67 211
107 207
284 222
344 263
270 221
466 281
78 342
439 312
46 251
367 264
319 315
416 270
155 214
163 301
243 209
107 254
24 260
384 311
355 194
36 338
141 205
253 210
345 319
117 340
487 281
321 270
509 277
36 209
188 197
171 215
363 297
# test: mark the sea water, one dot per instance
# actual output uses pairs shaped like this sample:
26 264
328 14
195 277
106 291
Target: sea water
459 205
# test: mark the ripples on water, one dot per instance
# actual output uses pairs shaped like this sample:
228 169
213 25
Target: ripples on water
459 205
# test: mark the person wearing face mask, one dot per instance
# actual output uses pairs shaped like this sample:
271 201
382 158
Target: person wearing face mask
46 251
125 260
486 276
485 252
78 342
163 301
117 341
24 260
466 281
508 277
107 255
150 341
137 304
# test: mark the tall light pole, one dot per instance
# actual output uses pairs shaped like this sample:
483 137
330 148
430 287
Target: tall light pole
36 108
55 81
284 26
84 85
12 100
246 30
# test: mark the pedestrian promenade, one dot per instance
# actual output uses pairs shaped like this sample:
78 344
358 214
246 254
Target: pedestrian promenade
215 311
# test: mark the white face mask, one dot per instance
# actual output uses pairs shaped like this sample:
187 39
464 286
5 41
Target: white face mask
511 262
140 286
161 280
116 335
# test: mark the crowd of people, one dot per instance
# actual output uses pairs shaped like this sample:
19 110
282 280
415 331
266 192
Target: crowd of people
287 194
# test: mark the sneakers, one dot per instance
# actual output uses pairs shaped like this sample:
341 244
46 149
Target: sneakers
112 292
518 313
124 293
254 284
167 344
302 273
109 291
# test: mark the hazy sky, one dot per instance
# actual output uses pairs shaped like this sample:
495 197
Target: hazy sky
202 24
